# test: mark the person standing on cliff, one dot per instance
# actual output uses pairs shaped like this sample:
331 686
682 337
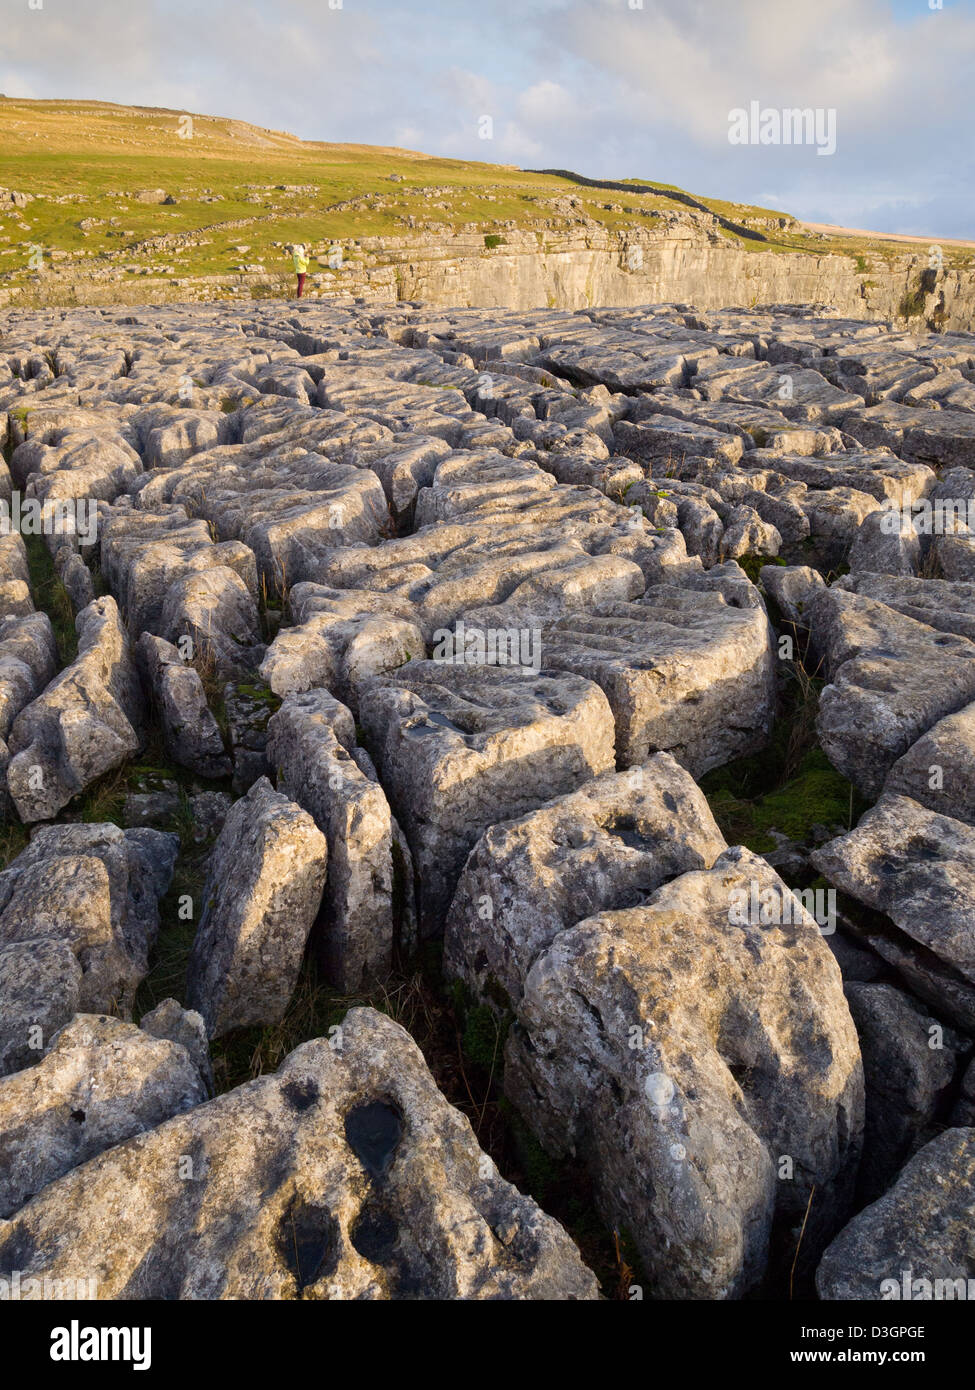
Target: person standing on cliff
300 258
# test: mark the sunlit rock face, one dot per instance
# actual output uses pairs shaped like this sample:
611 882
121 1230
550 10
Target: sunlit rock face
552 721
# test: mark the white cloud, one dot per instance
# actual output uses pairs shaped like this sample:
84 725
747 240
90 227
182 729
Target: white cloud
547 102
587 84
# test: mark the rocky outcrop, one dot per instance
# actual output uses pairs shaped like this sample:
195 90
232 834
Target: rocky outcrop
78 917
672 257
346 1175
263 892
915 1242
705 1067
438 614
87 722
367 907
608 845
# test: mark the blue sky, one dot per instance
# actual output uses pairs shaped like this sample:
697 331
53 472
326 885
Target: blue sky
607 87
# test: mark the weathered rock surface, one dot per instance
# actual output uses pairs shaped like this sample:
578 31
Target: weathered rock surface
288 504
684 671
263 892
891 679
489 561
608 845
143 553
100 1082
909 1066
916 1241
964 1111
447 570
193 737
938 438
171 1022
460 747
367 905
936 602
87 722
40 991
886 544
917 867
75 462
793 587
215 610
340 638
248 707
28 661
706 1070
346 1175
76 577
745 533
15 593
90 890
939 770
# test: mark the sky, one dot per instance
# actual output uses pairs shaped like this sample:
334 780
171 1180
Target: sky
609 88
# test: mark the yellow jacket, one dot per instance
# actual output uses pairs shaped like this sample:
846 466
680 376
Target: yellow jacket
300 259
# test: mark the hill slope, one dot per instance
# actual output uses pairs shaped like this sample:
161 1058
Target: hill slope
208 205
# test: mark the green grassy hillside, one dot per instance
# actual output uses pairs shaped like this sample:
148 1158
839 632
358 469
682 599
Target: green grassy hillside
237 195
